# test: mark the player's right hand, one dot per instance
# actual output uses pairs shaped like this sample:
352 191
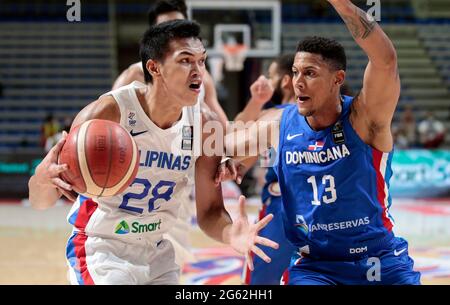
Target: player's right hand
261 90
48 171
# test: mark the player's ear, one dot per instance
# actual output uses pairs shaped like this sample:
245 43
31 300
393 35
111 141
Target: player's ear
339 77
286 81
152 67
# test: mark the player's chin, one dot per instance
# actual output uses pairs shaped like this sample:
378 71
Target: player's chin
304 110
190 100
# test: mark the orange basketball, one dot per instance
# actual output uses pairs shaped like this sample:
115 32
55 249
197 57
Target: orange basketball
102 157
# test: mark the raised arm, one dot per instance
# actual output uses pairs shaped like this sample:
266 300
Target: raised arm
374 108
261 92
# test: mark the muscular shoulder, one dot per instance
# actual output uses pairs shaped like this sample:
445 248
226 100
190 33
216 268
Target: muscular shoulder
104 108
132 73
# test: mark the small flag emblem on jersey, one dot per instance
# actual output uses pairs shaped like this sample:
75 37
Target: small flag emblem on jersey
318 145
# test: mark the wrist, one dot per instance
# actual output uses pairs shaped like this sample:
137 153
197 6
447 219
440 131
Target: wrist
256 102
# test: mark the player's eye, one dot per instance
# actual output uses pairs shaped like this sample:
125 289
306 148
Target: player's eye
184 60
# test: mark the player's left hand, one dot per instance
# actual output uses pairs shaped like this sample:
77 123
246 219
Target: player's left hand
244 236
229 169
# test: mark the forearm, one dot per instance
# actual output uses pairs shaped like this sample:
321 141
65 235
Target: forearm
367 33
216 223
42 196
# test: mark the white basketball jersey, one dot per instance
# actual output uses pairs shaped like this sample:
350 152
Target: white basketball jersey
149 207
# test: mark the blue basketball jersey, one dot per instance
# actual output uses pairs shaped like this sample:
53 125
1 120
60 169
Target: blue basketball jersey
271 175
335 188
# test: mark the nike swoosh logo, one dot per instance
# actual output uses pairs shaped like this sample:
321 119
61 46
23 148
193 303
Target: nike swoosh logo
397 253
133 134
289 137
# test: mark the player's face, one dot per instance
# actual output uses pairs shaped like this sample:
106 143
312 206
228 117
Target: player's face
183 69
169 16
313 81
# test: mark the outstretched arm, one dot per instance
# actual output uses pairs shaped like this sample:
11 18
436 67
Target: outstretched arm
214 219
374 108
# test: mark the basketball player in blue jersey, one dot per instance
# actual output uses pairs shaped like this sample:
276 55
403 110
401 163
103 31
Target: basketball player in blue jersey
120 239
280 79
334 162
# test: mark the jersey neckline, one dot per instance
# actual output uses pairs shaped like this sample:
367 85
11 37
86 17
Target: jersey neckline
146 120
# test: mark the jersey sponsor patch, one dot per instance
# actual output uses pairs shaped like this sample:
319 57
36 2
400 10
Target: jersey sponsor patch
338 133
187 137
340 225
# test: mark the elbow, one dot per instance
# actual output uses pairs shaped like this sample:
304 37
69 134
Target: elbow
389 60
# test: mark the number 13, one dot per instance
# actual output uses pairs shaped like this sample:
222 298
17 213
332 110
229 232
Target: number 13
330 189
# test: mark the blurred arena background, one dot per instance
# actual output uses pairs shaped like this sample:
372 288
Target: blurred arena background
52 65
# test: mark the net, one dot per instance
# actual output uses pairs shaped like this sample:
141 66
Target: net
234 55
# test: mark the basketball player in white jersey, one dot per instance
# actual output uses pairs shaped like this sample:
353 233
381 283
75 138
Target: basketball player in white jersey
119 240
165 10
161 11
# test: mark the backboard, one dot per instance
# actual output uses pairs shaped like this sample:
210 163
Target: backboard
256 24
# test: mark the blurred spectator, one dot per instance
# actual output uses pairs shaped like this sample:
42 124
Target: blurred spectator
49 128
405 134
1 90
51 141
431 132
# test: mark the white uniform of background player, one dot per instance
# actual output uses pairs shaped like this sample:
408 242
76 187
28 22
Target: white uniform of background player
124 237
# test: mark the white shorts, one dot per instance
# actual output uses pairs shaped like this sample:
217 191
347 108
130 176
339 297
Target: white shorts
96 260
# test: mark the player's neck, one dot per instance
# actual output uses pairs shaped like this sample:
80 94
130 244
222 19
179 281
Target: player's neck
159 108
327 116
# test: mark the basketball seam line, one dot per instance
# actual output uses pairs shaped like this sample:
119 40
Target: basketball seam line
109 163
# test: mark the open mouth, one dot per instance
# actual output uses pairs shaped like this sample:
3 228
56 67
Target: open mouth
195 85
303 98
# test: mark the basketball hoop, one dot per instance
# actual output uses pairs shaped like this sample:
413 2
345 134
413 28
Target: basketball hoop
234 55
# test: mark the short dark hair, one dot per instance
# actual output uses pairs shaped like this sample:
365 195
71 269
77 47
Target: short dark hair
284 64
165 6
155 42
331 50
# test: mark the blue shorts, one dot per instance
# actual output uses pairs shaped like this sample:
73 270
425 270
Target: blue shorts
391 266
270 273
